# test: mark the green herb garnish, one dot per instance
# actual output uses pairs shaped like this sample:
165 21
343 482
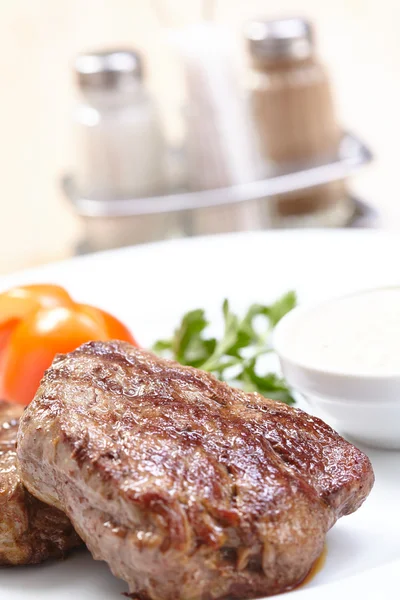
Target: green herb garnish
234 357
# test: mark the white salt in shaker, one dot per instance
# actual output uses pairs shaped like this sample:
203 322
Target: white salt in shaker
121 151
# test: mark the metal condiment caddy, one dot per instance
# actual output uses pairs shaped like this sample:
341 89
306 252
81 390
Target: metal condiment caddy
115 222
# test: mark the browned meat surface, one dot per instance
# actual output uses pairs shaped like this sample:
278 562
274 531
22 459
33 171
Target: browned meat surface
30 531
189 489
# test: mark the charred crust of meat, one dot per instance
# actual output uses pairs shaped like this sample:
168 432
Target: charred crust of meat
30 531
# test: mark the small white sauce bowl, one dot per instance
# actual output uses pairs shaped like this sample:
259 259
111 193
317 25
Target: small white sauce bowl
362 406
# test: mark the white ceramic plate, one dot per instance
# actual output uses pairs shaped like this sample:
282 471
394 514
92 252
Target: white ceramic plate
150 287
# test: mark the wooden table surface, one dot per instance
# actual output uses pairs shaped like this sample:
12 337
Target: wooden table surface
358 39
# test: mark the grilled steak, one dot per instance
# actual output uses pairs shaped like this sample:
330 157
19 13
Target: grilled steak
189 489
30 531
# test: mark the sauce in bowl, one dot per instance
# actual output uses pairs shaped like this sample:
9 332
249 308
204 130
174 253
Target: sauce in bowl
343 356
357 334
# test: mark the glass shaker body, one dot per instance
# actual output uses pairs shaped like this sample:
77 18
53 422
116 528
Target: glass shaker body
120 146
293 109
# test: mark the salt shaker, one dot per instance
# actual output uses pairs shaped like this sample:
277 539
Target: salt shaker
120 150
292 105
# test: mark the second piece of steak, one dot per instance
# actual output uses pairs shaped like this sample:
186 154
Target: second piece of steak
189 489
30 531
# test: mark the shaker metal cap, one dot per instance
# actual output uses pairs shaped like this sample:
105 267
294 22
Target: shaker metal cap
280 39
113 69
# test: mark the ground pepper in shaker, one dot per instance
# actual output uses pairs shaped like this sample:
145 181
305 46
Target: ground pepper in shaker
120 146
293 109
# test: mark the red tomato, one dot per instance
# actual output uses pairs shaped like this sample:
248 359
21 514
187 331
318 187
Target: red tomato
116 330
17 303
44 322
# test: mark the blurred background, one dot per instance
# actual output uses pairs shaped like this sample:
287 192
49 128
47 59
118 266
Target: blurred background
216 108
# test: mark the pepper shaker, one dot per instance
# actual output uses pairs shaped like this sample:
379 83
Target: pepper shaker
292 106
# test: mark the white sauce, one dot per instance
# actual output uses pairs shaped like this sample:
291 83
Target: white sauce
358 334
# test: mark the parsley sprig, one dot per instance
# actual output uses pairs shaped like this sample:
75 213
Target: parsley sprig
233 357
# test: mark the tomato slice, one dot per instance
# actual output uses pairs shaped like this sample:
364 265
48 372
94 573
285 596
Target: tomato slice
39 321
5 332
34 343
116 330
18 302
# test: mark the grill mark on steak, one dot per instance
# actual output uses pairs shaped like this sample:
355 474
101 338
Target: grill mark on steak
190 490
